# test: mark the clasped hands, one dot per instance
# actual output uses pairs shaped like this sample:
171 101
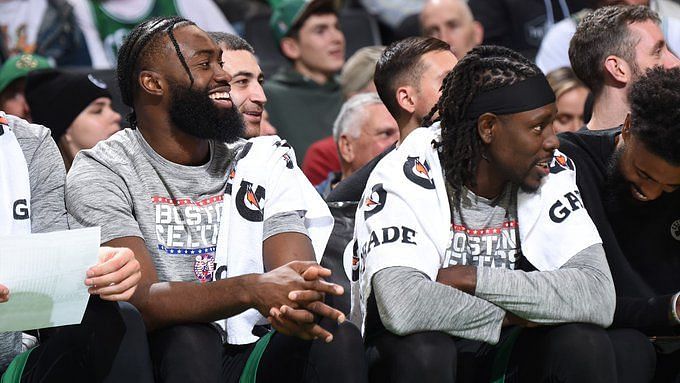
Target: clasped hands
292 298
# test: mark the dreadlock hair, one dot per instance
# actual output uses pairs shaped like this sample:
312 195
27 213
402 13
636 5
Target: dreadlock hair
655 112
482 69
138 51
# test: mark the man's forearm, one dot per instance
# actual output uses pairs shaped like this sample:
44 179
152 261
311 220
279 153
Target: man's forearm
580 291
167 303
409 302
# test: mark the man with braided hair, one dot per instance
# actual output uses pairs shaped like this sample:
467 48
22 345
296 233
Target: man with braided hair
476 257
225 230
629 178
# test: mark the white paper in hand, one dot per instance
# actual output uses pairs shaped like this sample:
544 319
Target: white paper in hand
45 274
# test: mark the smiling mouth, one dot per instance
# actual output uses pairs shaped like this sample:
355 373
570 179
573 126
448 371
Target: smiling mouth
222 99
638 194
220 96
543 166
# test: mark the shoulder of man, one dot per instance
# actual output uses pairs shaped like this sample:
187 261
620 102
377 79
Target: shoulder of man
30 136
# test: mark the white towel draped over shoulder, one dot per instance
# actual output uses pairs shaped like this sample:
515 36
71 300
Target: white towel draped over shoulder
264 181
15 187
404 217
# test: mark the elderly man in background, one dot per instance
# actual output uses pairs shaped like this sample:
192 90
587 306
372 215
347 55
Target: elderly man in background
364 129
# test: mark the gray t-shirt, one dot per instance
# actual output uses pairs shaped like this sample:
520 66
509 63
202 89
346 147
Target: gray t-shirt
484 232
46 177
128 189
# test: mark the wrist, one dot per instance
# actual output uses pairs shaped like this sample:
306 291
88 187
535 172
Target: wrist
247 295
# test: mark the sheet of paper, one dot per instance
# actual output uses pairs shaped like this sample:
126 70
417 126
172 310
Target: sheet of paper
45 274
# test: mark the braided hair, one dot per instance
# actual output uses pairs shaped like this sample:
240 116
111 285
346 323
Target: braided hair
137 52
484 68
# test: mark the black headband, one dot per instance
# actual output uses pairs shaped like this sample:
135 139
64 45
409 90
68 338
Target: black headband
521 96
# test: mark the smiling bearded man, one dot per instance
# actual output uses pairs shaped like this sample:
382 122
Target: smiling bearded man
226 230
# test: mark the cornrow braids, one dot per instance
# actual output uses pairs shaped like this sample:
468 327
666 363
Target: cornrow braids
484 68
139 45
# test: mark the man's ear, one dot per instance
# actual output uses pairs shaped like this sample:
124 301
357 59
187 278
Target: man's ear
625 131
290 48
486 126
405 98
618 69
478 29
345 149
151 82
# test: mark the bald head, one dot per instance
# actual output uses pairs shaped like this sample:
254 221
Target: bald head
452 22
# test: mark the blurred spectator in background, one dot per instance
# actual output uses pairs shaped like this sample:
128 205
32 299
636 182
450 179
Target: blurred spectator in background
611 48
13 82
392 12
305 98
521 24
571 95
364 129
238 11
266 127
105 23
44 27
452 22
397 18
75 106
356 77
246 79
554 50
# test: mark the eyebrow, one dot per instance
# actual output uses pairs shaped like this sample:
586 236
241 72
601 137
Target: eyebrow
653 179
244 73
659 44
203 52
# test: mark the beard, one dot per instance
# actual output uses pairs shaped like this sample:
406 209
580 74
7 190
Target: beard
617 195
194 113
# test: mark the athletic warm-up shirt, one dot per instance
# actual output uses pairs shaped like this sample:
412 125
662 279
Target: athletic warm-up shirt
405 235
125 187
484 232
47 211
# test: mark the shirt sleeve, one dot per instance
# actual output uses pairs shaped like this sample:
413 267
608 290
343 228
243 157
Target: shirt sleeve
581 290
96 196
409 302
47 177
286 222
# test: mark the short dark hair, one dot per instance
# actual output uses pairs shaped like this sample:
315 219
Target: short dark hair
320 8
139 49
655 112
602 33
400 64
232 42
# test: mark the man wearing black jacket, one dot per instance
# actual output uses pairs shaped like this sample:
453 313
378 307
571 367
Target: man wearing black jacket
628 178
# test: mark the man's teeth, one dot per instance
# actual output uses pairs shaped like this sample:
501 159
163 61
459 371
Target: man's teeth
219 96
638 195
543 164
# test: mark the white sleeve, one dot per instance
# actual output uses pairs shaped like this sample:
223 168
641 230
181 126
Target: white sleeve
389 233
